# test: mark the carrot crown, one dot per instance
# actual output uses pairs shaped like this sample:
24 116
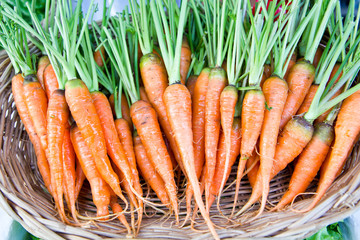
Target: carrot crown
170 44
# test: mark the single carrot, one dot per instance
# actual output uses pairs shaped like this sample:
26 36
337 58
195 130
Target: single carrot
143 95
154 76
190 84
113 145
185 59
252 166
100 56
300 78
309 163
125 110
57 120
84 113
144 119
221 170
50 80
178 108
36 102
43 62
252 117
69 169
198 126
292 62
308 99
217 82
347 127
19 99
148 171
125 137
275 92
116 208
99 188
291 142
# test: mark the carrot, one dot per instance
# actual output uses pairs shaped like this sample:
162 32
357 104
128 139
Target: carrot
84 113
125 137
217 82
347 128
292 62
36 103
100 56
57 120
308 99
291 142
308 163
148 171
154 76
317 57
43 62
190 84
185 59
275 92
116 208
252 117
300 78
112 104
143 95
198 126
50 80
144 119
253 165
179 113
69 169
99 189
113 145
221 170
80 177
19 99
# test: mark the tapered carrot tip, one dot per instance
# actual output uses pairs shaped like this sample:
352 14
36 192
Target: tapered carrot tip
150 58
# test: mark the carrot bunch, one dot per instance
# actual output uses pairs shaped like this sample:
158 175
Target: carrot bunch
162 93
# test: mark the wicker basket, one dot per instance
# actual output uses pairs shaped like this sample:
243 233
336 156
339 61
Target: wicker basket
24 198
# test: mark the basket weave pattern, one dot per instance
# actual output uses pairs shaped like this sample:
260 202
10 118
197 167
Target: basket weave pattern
24 198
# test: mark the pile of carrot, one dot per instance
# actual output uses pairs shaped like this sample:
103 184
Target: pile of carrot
162 92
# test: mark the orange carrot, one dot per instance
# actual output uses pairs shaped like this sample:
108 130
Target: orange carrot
84 113
100 56
43 62
69 169
291 142
112 104
80 177
99 188
275 92
148 171
221 170
57 120
347 128
154 76
36 103
125 110
190 84
198 126
217 82
308 99
252 117
308 163
254 163
50 80
113 145
144 119
42 162
300 78
178 108
185 60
